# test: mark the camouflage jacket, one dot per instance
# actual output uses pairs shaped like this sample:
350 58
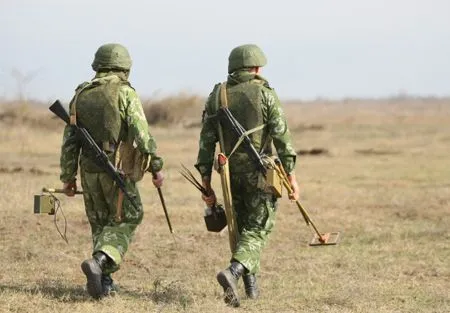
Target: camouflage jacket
273 117
132 114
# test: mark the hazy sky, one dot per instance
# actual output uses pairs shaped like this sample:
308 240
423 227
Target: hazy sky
327 48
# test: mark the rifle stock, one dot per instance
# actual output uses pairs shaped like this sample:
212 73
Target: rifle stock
59 111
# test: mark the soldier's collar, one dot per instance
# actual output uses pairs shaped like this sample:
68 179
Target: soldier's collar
122 75
243 77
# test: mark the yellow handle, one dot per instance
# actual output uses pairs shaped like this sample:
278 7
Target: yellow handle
55 190
283 175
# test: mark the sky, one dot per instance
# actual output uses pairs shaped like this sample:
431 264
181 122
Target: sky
315 48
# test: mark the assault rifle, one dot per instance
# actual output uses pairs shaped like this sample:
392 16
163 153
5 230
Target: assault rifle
100 156
246 141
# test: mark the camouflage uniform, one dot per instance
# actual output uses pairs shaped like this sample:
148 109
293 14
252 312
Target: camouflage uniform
254 208
100 192
255 106
110 109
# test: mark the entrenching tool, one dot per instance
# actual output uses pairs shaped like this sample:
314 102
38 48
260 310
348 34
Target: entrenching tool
320 239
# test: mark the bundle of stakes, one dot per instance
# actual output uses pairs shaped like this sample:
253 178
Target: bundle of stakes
190 177
215 218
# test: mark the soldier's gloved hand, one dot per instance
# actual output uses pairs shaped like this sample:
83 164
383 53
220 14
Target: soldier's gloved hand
70 188
158 179
210 200
295 190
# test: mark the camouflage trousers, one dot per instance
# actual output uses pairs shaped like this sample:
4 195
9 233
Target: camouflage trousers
255 216
100 199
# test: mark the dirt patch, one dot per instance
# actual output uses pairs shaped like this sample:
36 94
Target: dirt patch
308 127
11 170
19 169
313 151
372 151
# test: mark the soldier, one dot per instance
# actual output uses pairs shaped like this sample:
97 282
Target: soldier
253 103
110 109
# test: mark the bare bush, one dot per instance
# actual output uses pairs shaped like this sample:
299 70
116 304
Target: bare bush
28 113
178 109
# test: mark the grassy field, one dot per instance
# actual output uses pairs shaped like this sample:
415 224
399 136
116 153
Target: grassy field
383 181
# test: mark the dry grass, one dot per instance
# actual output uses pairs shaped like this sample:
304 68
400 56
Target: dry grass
385 183
30 114
179 109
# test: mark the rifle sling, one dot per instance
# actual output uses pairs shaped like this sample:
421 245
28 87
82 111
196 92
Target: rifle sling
245 134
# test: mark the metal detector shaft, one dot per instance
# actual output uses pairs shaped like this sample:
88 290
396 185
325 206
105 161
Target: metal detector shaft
288 186
56 190
308 220
305 214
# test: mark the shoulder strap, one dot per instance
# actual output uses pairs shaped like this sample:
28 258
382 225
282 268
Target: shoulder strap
73 107
248 132
222 93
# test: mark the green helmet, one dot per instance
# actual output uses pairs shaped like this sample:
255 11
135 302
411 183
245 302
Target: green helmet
111 56
246 56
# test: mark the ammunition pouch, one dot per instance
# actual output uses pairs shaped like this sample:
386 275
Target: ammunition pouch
132 161
272 183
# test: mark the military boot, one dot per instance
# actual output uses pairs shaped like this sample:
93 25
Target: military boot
109 287
93 269
228 279
251 289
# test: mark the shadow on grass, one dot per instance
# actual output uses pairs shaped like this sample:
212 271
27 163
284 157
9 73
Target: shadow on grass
163 292
50 289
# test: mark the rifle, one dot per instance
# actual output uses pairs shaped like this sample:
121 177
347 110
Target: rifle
100 156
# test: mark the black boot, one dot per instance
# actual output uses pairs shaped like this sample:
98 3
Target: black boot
109 287
251 289
93 269
228 279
